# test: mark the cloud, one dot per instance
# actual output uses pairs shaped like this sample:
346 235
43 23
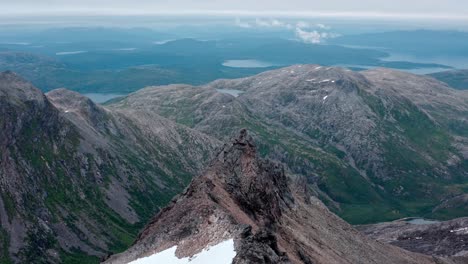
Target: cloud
309 36
302 24
304 31
322 26
241 24
314 37
272 23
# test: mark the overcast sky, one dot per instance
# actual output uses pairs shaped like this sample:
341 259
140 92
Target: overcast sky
452 9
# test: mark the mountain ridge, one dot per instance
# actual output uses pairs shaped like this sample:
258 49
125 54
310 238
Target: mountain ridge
252 201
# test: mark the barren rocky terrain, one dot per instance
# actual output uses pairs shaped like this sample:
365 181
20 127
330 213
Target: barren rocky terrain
449 238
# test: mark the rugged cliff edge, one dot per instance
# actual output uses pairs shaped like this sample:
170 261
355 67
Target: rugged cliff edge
270 217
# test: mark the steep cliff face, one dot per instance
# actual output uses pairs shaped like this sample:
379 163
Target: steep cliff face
77 180
374 145
270 218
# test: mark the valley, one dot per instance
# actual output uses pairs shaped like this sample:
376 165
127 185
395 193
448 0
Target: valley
373 146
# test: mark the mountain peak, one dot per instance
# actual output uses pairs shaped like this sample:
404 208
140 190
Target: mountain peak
248 202
16 89
70 100
258 186
79 106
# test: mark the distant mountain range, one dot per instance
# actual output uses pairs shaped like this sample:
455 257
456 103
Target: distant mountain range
79 180
428 43
122 61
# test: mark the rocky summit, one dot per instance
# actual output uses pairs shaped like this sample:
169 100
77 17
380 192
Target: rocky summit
249 206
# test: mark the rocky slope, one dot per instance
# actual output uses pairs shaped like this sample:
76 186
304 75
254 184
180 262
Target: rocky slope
373 145
457 79
449 238
78 180
269 217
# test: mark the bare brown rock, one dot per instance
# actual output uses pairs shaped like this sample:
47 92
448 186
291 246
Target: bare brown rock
249 199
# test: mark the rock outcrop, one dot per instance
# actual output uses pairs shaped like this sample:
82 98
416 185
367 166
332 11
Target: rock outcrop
270 218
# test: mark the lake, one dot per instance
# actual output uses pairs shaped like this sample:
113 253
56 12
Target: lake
248 64
234 93
102 97
421 221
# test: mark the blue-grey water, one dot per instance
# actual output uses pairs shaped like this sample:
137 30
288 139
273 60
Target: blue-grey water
234 93
248 64
421 221
102 97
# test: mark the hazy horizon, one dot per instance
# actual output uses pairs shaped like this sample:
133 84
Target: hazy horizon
397 9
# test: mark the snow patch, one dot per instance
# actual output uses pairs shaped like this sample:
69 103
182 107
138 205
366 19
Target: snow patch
325 97
222 253
463 231
318 68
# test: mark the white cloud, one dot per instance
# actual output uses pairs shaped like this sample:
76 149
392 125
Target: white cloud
302 29
309 36
302 24
262 23
322 26
272 23
241 24
314 37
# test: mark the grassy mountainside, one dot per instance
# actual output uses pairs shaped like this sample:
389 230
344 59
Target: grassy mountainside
77 180
374 146
457 79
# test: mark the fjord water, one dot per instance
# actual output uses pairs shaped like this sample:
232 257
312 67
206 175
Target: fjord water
102 97
248 64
